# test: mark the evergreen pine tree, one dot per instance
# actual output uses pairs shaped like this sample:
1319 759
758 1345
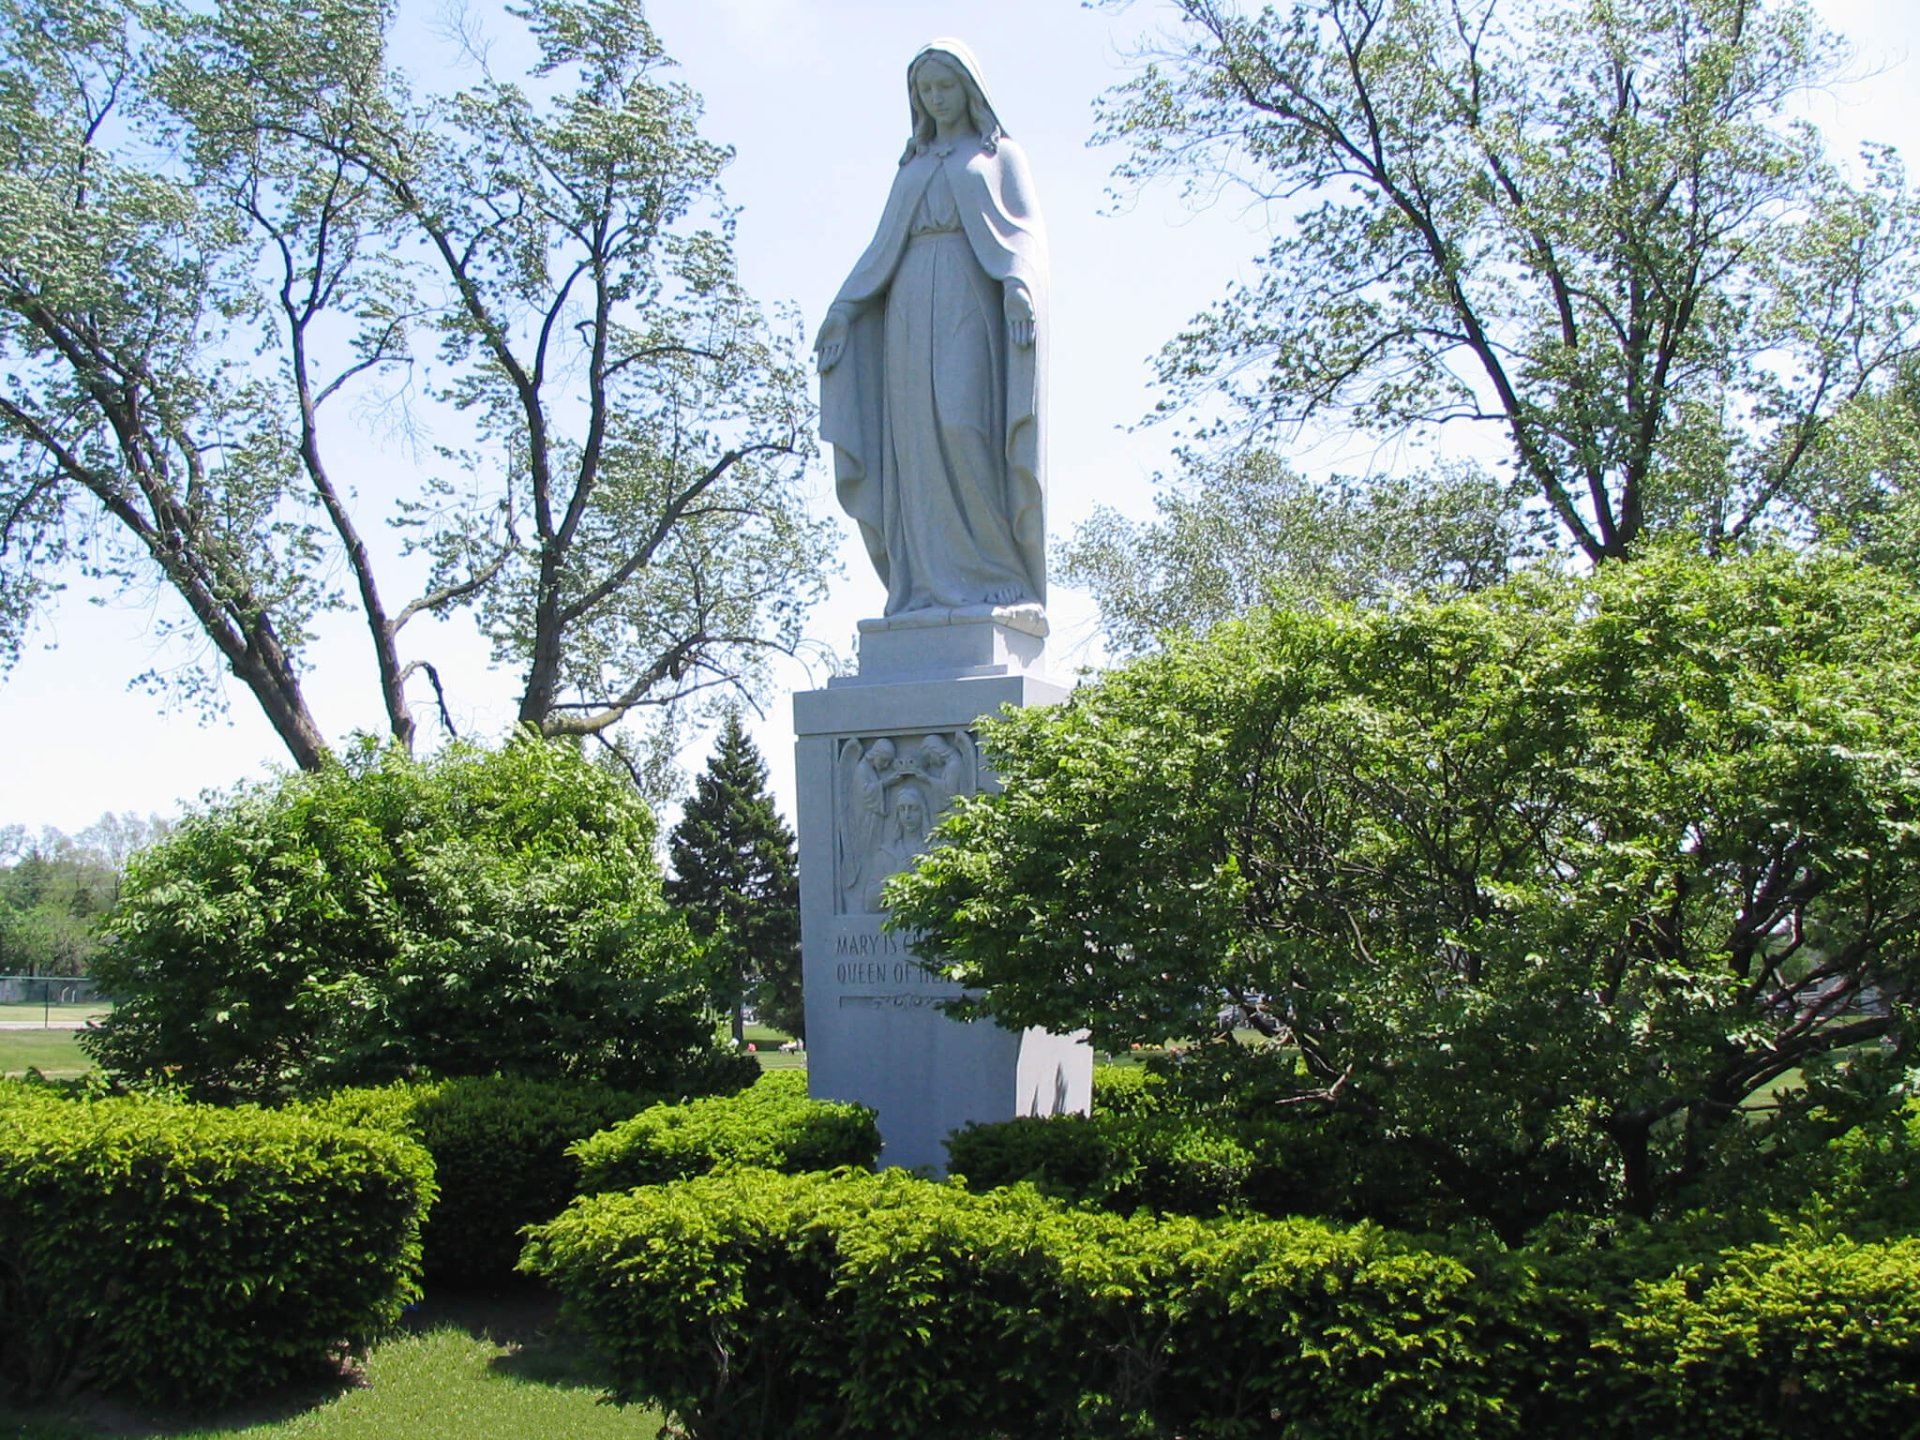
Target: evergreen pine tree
736 877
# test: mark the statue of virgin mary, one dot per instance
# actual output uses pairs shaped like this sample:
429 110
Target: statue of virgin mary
932 361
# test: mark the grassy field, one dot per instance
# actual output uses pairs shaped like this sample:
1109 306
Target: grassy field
768 1044
52 1052
473 1368
57 1053
37 1013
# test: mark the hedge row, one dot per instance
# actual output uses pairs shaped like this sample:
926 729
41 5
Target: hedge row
500 1155
772 1125
752 1304
509 1153
188 1254
1200 1165
1117 1162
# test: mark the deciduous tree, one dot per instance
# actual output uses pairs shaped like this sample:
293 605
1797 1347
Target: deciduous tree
1251 531
57 890
542 266
1591 225
1868 466
1551 886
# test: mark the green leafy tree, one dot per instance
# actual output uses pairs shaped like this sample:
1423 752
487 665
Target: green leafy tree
1587 224
478 913
1250 531
182 325
1549 886
1869 463
57 890
736 876
137 437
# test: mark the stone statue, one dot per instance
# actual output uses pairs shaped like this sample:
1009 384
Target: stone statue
932 360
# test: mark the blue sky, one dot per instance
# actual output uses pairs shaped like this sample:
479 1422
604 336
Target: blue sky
811 94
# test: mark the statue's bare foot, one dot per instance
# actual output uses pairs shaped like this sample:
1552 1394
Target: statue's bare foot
1005 595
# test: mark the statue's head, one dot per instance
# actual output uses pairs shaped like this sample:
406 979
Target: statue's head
954 58
910 813
880 754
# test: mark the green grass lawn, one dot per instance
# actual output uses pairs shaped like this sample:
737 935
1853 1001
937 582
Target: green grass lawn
768 1053
37 1013
489 1368
52 1052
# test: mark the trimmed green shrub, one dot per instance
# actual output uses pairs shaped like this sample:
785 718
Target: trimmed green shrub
189 1254
1868 1179
1069 1157
500 1148
1549 1306
755 1305
1300 1328
751 1304
1798 1338
772 1125
723 1308
1118 1162
1185 1164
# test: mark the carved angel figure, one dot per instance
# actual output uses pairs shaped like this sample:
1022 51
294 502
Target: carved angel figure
862 775
947 762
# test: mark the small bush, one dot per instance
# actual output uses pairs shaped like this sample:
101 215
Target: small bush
1300 1328
500 1155
1196 1165
754 1304
1868 1179
772 1125
1126 1090
189 1254
725 1302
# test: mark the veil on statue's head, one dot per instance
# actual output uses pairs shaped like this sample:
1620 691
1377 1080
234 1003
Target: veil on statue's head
986 119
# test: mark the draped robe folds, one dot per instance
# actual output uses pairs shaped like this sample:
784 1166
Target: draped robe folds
934 414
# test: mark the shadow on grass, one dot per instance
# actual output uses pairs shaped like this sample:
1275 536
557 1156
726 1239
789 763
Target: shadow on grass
520 1318
94 1417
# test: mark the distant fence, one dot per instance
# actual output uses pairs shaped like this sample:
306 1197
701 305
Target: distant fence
49 1000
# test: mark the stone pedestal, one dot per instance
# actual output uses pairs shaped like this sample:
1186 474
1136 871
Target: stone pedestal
879 755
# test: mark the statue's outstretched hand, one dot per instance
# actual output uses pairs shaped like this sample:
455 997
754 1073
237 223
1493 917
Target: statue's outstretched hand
833 340
1020 316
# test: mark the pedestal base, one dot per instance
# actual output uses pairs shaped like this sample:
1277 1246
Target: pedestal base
874 753
970 641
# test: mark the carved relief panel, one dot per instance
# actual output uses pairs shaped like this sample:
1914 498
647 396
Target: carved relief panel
888 792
